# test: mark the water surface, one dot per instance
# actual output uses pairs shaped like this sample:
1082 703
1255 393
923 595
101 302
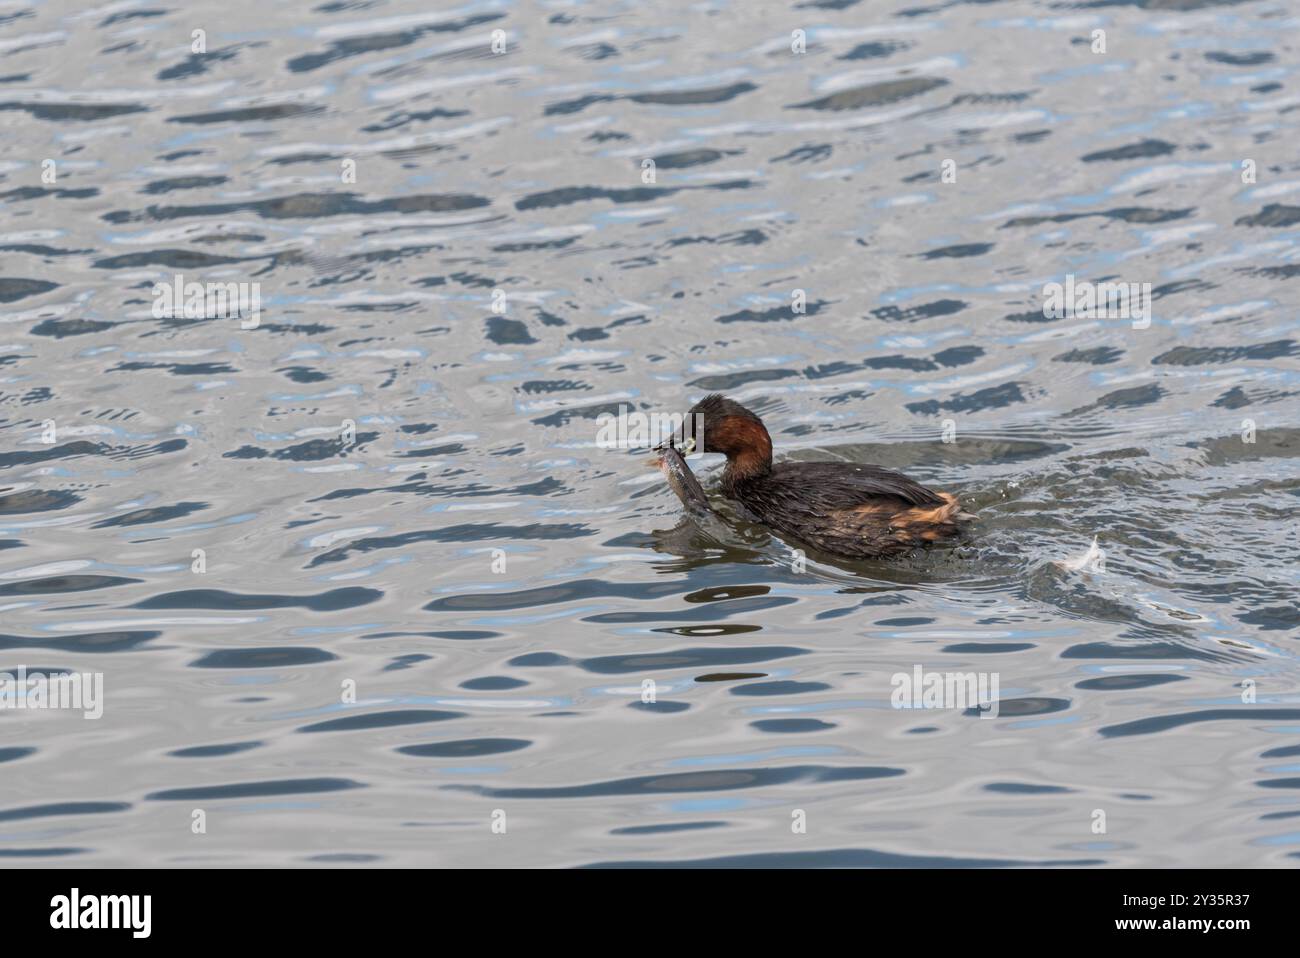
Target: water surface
397 489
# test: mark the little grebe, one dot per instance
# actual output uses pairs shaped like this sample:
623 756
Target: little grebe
850 510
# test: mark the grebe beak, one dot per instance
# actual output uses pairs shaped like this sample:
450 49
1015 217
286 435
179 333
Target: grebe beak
686 448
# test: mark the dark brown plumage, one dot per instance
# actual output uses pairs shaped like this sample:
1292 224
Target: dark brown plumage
855 511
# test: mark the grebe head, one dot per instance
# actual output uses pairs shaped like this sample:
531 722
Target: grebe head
731 429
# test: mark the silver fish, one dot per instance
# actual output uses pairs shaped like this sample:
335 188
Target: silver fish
682 481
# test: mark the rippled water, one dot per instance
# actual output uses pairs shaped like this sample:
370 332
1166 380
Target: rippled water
397 489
